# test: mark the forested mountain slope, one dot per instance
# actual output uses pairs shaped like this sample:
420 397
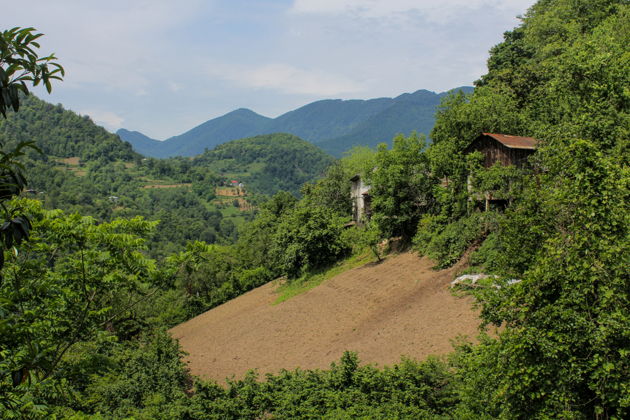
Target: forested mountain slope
409 112
267 163
329 118
334 124
141 143
62 133
88 170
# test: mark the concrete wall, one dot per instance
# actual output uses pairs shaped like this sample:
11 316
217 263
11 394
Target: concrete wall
359 192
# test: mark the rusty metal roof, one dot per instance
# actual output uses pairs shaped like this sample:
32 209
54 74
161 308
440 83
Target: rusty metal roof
514 142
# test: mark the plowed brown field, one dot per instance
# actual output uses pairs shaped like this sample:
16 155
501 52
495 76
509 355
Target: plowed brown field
399 307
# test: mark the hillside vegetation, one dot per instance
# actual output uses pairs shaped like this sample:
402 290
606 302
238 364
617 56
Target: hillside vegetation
267 163
85 169
84 307
62 133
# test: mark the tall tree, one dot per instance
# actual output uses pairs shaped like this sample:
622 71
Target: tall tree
402 186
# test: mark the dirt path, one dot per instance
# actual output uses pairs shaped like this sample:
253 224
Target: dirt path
399 307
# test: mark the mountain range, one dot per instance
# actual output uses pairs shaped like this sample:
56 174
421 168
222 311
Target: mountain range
334 125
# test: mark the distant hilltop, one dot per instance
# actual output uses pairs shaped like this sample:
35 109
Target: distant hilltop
334 125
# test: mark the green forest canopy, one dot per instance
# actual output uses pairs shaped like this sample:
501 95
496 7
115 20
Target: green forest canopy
86 169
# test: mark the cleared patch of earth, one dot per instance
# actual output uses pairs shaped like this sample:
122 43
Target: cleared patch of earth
73 161
229 192
401 307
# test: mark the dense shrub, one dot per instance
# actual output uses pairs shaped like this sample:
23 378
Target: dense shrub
402 187
142 378
309 237
489 255
347 390
446 244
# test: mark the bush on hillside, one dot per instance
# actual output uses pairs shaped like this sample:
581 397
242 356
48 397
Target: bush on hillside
347 390
446 244
309 237
489 255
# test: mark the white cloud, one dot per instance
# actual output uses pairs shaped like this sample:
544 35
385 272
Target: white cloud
431 10
107 119
118 44
174 87
286 78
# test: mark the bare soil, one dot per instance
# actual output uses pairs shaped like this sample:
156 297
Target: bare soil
230 192
401 307
73 161
244 205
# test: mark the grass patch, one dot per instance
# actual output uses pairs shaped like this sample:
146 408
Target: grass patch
239 220
287 290
230 211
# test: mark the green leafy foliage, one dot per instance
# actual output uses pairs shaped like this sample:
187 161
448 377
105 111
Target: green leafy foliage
563 348
566 340
447 243
309 237
70 281
209 275
401 187
254 246
144 379
347 390
17 225
21 66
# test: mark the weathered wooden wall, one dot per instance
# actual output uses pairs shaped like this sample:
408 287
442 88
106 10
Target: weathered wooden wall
494 151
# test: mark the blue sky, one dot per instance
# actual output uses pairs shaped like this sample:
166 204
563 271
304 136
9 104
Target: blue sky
162 67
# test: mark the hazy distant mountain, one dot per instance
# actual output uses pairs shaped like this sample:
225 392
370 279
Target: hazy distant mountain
323 120
234 125
407 113
333 124
231 126
141 143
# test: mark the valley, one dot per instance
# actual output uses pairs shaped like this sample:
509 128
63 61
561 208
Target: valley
303 266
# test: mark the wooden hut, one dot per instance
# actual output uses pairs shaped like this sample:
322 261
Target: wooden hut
503 148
